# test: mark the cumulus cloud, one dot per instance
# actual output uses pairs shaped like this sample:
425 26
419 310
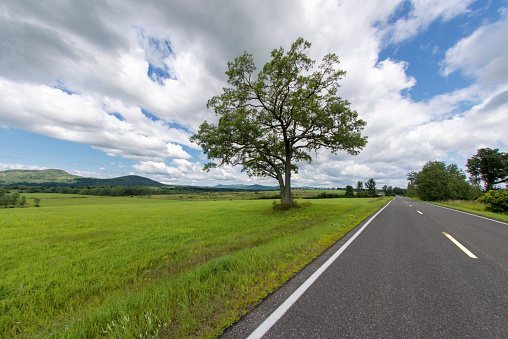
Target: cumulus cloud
5 167
483 54
420 14
50 111
151 167
132 80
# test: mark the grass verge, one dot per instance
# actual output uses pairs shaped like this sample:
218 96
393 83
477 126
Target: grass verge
473 207
132 267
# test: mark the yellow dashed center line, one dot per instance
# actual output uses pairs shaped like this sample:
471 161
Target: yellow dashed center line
459 245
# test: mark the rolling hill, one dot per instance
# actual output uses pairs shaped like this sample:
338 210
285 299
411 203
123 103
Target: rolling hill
56 177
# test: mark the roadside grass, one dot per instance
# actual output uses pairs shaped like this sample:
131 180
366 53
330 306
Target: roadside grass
473 207
131 267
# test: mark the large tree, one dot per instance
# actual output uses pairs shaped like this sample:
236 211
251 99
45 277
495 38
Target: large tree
488 165
269 122
370 185
436 181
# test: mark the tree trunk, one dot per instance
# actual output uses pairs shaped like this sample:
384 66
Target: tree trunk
286 195
282 187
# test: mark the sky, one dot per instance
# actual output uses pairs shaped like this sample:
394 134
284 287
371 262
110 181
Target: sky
111 88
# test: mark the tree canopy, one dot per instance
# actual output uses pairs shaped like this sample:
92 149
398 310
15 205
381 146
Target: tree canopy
370 185
349 191
488 165
270 122
436 181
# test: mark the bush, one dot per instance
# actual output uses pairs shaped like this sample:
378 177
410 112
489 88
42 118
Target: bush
497 201
37 202
362 194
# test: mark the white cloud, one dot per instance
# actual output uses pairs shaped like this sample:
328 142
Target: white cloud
151 167
5 167
483 54
422 14
55 113
183 165
79 72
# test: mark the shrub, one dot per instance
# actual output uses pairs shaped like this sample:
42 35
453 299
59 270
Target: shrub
497 201
37 202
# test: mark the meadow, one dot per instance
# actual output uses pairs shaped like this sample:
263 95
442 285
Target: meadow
148 267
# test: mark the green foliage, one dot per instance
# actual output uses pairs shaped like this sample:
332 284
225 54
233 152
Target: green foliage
126 267
22 201
268 123
359 186
119 191
4 197
389 191
432 181
11 199
488 165
411 186
399 191
497 201
14 199
325 195
11 177
436 181
37 202
370 185
349 191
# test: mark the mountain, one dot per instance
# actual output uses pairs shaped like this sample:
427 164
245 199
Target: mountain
55 177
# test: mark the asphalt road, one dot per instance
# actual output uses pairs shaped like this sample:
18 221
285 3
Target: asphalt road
401 277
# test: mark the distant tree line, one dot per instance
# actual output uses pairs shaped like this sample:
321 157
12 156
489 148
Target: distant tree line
370 190
119 191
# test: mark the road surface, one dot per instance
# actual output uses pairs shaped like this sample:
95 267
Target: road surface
415 271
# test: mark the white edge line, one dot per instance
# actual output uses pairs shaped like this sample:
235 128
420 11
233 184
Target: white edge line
282 309
459 245
475 215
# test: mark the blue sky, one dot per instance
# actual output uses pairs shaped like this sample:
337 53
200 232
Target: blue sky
116 88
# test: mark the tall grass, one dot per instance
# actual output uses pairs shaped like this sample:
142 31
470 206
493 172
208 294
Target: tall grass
131 267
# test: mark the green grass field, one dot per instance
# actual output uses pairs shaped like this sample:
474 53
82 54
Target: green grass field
129 267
